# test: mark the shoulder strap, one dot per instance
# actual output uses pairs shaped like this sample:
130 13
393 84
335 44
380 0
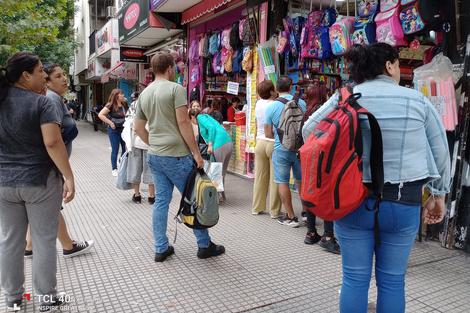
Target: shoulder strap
282 99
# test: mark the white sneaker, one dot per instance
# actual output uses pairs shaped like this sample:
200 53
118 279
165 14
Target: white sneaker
115 172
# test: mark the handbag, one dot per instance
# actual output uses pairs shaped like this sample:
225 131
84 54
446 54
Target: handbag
214 170
69 133
203 146
118 122
121 179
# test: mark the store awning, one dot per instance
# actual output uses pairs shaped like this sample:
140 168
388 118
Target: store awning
201 8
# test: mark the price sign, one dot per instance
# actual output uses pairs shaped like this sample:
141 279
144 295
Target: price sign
232 88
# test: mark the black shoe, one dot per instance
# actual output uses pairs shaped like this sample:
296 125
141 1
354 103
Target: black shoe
160 257
151 200
212 250
78 248
137 199
330 245
312 238
28 254
14 303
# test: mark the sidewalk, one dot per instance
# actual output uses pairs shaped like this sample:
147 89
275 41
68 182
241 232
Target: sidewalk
266 267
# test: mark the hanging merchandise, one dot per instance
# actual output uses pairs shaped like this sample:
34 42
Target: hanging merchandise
367 7
213 49
247 62
249 32
202 42
389 29
284 42
364 30
226 38
237 61
235 41
386 5
267 55
418 16
329 17
340 35
194 51
435 81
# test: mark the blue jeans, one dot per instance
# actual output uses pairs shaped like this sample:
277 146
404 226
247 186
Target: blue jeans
168 172
115 139
283 161
398 225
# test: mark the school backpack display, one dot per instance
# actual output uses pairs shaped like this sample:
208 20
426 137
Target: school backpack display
235 41
386 5
237 61
290 124
389 28
194 51
199 206
368 7
314 18
328 17
207 42
309 43
331 161
249 32
321 45
225 38
213 44
201 46
196 74
195 94
207 68
419 16
364 30
340 35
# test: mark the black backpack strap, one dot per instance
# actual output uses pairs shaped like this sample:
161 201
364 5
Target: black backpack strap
282 99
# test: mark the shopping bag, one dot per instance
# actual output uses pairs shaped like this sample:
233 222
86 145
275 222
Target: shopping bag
121 179
214 171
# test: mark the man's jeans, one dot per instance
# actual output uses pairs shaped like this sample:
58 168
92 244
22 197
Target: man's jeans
115 139
398 225
168 172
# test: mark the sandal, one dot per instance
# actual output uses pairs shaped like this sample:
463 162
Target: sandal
151 200
137 199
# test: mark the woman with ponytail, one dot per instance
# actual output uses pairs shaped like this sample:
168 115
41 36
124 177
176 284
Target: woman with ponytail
33 166
415 154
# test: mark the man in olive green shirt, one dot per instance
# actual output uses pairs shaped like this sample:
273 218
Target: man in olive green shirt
164 105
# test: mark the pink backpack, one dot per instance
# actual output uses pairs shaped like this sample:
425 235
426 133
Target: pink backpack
340 35
240 28
226 38
314 18
309 47
201 46
196 74
194 51
386 5
389 28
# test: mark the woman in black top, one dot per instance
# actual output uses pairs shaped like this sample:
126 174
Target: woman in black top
114 114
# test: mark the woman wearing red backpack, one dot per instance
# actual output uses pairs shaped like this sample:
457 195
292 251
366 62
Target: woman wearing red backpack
415 154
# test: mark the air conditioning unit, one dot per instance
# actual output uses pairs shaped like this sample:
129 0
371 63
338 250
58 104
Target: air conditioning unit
110 11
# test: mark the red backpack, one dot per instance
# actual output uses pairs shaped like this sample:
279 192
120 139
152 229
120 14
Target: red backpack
331 161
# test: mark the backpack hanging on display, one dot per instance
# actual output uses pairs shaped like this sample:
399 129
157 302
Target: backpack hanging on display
228 62
235 41
249 32
340 35
196 74
368 7
237 61
194 51
207 42
419 16
308 49
389 28
215 68
208 70
314 18
226 38
195 94
364 30
213 43
283 44
199 206
201 46
329 17
331 161
386 5
290 124
322 46
247 62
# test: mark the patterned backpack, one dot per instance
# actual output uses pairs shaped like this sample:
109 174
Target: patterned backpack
322 46
367 7
389 28
364 30
340 35
249 32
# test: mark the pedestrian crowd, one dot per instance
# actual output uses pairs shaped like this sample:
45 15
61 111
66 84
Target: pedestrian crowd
159 134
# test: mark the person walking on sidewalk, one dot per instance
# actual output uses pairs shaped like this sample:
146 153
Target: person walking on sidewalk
33 165
57 86
316 96
164 105
114 114
283 159
264 171
415 154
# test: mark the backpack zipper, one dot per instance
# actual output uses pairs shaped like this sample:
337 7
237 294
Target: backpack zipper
340 175
319 164
331 154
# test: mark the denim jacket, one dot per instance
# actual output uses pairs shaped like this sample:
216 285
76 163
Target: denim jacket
414 139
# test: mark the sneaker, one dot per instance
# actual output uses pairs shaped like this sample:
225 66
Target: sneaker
28 254
212 250
160 257
330 245
137 199
54 306
78 248
312 238
14 303
276 216
151 200
304 216
257 213
286 220
114 173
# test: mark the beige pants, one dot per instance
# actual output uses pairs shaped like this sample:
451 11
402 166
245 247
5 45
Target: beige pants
264 178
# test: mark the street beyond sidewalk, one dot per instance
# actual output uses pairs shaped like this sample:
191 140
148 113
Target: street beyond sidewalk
266 267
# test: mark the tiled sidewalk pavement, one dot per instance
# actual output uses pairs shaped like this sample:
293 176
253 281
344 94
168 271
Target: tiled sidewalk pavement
266 267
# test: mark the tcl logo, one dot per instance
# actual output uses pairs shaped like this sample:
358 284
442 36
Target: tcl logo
131 16
133 53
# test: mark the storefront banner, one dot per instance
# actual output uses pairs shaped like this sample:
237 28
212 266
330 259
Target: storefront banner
107 37
132 55
155 3
97 67
133 18
125 71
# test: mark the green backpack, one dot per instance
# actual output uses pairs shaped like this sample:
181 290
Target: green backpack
199 206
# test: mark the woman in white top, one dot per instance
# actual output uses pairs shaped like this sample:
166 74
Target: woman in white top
264 172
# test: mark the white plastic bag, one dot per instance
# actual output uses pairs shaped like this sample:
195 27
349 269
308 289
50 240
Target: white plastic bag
121 179
214 171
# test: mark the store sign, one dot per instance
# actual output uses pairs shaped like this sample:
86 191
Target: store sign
133 18
132 55
155 3
106 38
125 71
232 88
97 67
